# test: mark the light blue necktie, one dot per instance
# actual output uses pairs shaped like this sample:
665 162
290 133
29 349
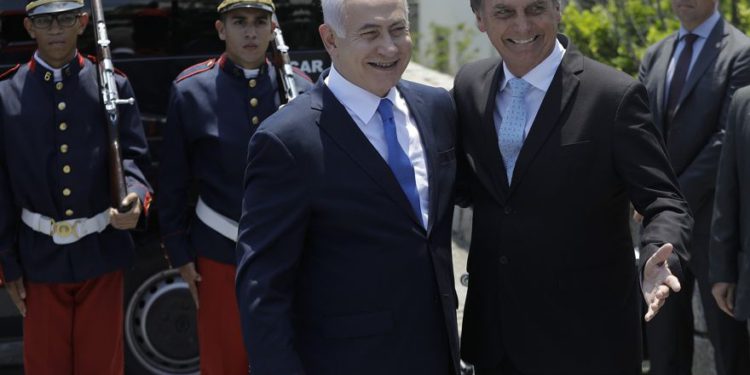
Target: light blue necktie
513 125
397 158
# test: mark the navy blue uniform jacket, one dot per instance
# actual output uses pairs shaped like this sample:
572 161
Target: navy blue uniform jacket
336 275
45 127
213 111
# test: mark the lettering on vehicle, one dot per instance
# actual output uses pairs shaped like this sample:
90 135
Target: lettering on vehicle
309 66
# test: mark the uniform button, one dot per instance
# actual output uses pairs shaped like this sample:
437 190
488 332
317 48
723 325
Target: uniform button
61 106
66 169
254 102
66 192
503 260
69 212
256 120
508 210
253 83
63 126
59 86
63 148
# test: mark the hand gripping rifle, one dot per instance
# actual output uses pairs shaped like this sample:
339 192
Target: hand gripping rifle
110 99
283 64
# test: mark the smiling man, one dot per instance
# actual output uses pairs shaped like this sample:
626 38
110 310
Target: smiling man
558 146
214 109
691 77
345 237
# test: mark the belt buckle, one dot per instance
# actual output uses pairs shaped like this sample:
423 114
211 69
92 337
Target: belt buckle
64 229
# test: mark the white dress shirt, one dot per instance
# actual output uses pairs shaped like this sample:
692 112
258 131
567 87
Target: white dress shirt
540 77
702 31
362 106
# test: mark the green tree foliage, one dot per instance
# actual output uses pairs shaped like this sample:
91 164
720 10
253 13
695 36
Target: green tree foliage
618 32
447 48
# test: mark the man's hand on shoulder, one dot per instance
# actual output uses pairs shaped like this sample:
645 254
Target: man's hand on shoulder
658 280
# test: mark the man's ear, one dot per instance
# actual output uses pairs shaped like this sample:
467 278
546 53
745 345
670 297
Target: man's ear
82 22
328 36
29 27
480 21
219 25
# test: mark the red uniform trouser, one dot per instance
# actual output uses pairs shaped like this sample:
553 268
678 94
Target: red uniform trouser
74 328
219 332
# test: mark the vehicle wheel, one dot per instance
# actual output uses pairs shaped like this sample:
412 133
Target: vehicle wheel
160 323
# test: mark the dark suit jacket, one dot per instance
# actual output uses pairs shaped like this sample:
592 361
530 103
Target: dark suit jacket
730 233
554 287
336 274
696 133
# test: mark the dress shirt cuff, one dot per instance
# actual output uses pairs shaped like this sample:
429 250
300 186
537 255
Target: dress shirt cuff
178 249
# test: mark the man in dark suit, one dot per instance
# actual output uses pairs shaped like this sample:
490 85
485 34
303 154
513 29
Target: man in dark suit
729 262
691 76
559 145
345 237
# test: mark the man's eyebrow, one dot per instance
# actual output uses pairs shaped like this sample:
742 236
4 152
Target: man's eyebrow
377 26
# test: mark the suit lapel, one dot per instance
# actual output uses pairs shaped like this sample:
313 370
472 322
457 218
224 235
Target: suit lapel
712 47
563 85
424 124
338 124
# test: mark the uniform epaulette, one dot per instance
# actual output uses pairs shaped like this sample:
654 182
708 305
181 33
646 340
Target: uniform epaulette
95 61
198 68
9 73
301 73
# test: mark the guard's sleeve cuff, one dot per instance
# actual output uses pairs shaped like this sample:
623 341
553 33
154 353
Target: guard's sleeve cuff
177 249
10 270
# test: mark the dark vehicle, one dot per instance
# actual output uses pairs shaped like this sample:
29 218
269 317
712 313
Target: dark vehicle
152 41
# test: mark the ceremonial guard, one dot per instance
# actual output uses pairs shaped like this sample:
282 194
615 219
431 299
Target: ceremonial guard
62 246
214 109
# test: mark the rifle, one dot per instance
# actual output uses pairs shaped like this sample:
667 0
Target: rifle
283 65
110 99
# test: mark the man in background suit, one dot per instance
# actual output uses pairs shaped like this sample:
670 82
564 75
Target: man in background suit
729 270
345 237
690 77
559 145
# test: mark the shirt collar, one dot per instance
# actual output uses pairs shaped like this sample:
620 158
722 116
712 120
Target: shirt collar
703 30
56 72
541 75
361 102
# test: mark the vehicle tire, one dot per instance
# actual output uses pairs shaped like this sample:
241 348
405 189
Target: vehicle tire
160 325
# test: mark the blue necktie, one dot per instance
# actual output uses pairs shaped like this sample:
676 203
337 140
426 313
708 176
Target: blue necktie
513 125
397 158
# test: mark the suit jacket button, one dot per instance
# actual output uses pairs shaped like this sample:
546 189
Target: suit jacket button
508 210
503 260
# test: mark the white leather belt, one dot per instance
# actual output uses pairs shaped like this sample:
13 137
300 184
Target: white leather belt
216 221
67 231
